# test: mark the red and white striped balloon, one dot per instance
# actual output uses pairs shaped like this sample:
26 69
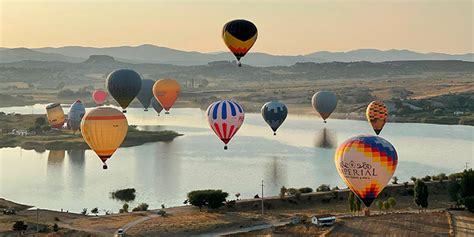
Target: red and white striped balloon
225 118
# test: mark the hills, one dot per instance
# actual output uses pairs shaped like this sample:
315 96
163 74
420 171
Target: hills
155 54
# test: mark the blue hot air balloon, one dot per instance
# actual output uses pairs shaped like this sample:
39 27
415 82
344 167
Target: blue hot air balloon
123 86
146 93
274 113
76 112
156 106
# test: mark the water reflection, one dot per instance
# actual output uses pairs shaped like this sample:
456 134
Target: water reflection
76 168
325 138
55 169
275 175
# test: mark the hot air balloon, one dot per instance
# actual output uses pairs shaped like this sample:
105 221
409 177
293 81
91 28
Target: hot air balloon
239 36
146 93
123 86
225 118
55 115
76 112
366 164
166 91
156 105
99 96
377 114
274 113
324 102
104 129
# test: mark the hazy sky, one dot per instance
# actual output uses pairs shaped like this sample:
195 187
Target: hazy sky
285 27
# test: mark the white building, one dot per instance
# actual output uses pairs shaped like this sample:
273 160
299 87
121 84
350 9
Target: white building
323 220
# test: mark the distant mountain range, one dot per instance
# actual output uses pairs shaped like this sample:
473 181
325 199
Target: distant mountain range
156 54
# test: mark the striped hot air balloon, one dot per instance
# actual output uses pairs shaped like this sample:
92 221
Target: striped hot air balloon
76 112
377 115
239 36
55 115
225 118
104 129
366 164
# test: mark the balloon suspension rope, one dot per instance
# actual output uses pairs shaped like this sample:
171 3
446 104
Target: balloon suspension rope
225 147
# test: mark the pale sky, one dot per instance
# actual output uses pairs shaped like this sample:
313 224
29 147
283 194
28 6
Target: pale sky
286 27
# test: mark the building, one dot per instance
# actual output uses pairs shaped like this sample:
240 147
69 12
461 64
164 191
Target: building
323 220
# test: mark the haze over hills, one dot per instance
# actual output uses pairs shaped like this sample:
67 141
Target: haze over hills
156 54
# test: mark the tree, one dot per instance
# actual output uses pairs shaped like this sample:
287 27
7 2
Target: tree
124 208
466 188
19 226
379 204
453 191
40 121
283 191
392 202
395 180
323 188
210 198
95 211
413 178
469 203
306 190
426 178
84 211
386 205
350 200
421 194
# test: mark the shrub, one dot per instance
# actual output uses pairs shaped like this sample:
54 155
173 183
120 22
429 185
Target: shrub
298 195
413 178
55 227
84 211
56 218
292 191
161 212
323 188
210 198
442 176
125 195
386 205
140 207
19 226
453 191
306 190
469 203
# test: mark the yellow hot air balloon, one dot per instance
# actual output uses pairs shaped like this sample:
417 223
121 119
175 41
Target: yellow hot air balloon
55 115
104 129
377 114
166 91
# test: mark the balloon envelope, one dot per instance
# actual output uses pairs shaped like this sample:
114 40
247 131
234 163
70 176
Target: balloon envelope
274 113
377 115
166 91
366 164
104 129
123 86
76 112
55 115
146 93
225 118
99 96
324 102
156 105
239 36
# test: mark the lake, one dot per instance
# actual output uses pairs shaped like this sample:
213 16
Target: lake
163 173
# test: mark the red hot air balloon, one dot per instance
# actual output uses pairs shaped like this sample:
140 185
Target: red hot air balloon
99 96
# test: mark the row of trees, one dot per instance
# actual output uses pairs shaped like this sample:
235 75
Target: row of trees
461 190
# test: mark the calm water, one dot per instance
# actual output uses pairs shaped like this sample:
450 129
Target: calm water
165 172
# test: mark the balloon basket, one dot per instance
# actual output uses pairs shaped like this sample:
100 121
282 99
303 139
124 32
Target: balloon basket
104 167
167 112
124 111
225 147
239 64
274 134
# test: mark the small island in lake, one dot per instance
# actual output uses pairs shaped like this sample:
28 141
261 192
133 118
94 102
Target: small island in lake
33 132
